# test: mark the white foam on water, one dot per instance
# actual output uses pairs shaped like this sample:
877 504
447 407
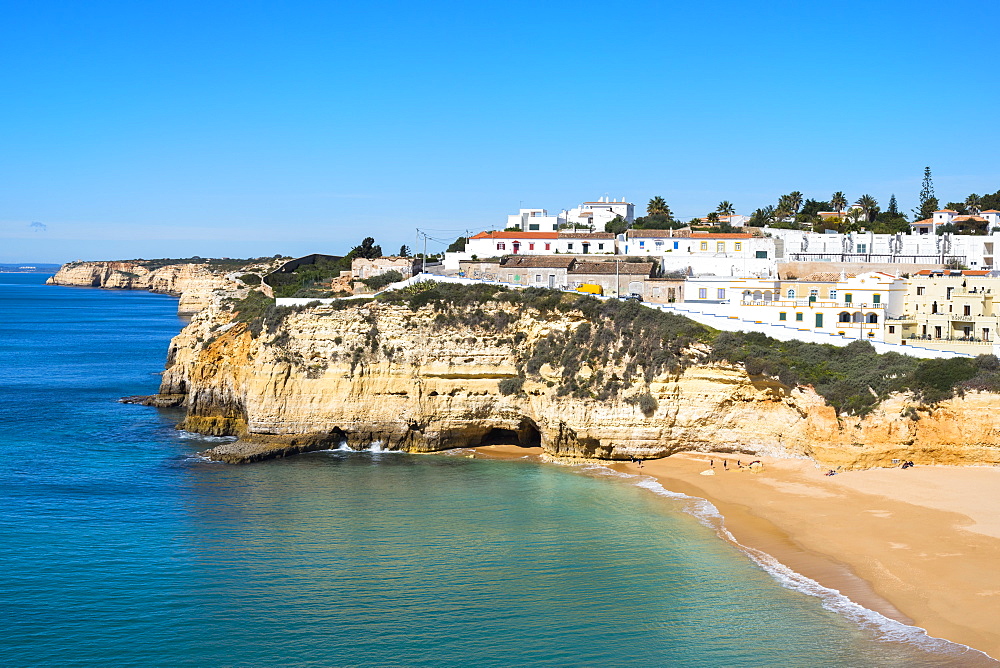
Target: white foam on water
881 626
191 436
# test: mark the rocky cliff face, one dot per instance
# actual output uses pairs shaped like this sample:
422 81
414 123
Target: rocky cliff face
195 284
413 380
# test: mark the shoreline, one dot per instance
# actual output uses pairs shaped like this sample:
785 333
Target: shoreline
919 546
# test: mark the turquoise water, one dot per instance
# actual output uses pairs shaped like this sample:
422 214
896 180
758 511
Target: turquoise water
119 547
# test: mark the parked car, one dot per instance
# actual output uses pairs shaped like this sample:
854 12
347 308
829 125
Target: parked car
631 297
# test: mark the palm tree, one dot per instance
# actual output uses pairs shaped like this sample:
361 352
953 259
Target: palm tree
868 205
839 203
973 203
657 205
795 201
726 208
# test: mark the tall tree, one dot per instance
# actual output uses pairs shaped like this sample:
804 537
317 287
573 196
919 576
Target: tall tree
893 208
726 208
869 206
839 202
794 201
616 225
974 204
404 251
657 205
368 249
928 202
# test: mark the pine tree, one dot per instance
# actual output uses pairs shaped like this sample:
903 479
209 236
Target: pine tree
928 202
892 209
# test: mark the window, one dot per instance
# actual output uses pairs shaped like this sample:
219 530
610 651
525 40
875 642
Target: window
967 311
876 298
538 278
720 247
738 246
761 255
833 295
892 329
791 293
501 245
533 226
569 246
862 248
819 319
848 298
548 246
798 317
677 245
642 244
948 296
721 294
813 294
510 278
782 316
704 245
531 246
702 293
600 246
920 291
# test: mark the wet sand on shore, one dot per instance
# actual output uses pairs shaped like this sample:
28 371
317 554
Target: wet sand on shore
920 545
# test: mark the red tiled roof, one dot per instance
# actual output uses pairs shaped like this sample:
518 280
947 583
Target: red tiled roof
516 235
990 211
719 235
946 211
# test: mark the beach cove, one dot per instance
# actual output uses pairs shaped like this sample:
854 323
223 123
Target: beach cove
358 557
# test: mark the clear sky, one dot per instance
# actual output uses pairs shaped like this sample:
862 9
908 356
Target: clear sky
143 129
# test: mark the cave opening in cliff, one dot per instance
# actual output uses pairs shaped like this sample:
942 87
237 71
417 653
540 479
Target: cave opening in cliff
526 435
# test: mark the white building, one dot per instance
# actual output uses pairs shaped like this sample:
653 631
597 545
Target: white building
856 306
704 253
536 220
984 221
594 215
975 251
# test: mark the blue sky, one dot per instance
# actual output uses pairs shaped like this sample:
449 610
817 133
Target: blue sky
247 128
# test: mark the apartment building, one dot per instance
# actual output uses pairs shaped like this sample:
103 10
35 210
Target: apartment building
949 309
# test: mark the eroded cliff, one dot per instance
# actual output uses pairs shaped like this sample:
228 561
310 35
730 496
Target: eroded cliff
196 284
426 378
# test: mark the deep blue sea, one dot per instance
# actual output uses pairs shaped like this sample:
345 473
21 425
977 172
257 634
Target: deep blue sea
120 547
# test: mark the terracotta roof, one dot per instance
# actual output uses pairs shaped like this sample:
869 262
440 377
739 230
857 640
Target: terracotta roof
823 277
537 262
586 235
990 211
960 219
946 211
650 234
719 235
974 272
516 235
925 221
623 268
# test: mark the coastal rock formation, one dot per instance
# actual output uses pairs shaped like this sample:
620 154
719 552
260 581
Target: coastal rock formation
415 380
195 284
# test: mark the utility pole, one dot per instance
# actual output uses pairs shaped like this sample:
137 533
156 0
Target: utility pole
423 267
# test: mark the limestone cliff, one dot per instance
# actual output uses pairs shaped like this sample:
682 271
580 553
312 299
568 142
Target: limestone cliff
419 381
195 284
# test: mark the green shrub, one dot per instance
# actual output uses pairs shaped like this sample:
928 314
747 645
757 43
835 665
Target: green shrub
511 385
378 282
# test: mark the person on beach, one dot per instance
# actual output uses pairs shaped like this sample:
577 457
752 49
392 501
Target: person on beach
711 463
725 464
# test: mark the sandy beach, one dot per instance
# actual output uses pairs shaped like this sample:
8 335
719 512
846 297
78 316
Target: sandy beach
920 545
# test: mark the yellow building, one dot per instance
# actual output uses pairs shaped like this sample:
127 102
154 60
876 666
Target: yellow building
950 311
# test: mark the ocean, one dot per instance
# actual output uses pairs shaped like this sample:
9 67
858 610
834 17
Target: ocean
119 546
